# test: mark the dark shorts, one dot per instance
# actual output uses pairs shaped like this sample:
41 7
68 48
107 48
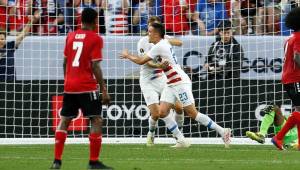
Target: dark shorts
293 91
89 103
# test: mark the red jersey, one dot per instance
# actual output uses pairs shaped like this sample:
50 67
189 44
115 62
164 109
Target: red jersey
81 48
291 72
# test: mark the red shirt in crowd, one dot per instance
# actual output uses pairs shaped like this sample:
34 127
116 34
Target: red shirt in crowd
81 48
175 17
3 17
291 72
18 21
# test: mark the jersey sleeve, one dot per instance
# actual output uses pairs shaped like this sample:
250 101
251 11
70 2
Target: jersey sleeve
96 53
140 48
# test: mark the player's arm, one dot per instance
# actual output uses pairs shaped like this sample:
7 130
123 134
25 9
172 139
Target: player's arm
174 41
297 58
136 59
99 77
162 65
65 65
26 29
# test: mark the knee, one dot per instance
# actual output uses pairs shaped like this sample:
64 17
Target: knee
163 113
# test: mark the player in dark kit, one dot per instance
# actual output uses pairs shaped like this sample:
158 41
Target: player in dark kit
291 76
81 67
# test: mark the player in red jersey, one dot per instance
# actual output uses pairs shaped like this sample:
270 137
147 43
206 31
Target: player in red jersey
81 64
291 76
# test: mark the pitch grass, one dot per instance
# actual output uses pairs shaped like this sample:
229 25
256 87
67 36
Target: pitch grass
159 157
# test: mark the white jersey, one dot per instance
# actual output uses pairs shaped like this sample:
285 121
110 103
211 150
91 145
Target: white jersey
147 72
163 51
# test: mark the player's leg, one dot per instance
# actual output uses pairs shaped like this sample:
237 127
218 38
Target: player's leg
269 115
151 96
171 124
185 95
69 111
91 107
179 115
294 119
168 98
153 118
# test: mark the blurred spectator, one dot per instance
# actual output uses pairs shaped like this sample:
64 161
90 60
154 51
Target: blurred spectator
68 7
141 12
116 16
247 16
208 15
175 14
52 17
272 16
19 12
225 56
7 50
3 14
286 7
80 5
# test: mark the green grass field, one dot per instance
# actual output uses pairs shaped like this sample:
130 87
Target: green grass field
159 157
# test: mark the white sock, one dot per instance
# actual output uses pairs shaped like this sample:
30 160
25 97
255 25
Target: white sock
206 121
173 127
152 125
179 118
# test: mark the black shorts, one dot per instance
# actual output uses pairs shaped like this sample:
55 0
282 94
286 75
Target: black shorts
293 91
89 103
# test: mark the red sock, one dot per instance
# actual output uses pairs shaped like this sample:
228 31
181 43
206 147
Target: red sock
60 138
95 146
290 123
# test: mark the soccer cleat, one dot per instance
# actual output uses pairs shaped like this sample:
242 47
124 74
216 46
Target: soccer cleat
98 165
256 136
227 137
150 139
268 109
181 144
277 143
56 164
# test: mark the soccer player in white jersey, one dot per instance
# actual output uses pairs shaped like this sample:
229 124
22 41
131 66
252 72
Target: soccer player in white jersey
179 85
152 83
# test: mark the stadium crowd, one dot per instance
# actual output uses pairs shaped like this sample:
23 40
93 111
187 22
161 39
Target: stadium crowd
129 17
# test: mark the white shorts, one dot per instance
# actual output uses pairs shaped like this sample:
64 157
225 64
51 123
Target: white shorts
180 92
152 89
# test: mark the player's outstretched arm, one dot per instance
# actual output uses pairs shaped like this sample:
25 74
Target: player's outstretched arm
99 77
136 59
26 29
175 42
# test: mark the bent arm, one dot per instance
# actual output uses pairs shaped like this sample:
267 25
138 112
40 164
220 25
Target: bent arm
99 76
297 58
175 42
136 59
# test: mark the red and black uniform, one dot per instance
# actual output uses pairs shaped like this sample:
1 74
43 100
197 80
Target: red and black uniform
291 71
81 49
